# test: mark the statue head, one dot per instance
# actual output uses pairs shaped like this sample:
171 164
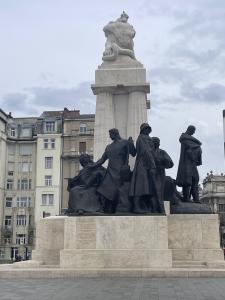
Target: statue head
85 159
190 130
156 142
114 134
123 17
145 128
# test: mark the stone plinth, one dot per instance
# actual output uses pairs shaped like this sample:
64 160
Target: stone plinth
120 91
116 242
49 240
194 238
121 244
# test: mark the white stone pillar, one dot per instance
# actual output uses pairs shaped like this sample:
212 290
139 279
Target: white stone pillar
104 119
137 113
120 102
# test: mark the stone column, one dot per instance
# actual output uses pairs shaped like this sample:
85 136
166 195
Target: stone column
104 120
121 93
137 113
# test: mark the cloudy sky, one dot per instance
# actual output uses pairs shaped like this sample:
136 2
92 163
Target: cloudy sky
51 48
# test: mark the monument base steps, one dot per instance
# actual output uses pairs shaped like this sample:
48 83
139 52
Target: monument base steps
124 246
90 273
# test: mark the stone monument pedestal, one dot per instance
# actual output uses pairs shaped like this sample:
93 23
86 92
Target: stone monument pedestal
129 246
129 242
194 239
121 96
116 242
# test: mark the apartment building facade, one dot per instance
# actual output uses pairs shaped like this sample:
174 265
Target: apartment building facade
37 154
19 195
3 123
48 174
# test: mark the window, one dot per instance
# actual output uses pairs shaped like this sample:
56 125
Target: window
11 149
45 141
25 167
8 221
8 202
25 149
20 239
11 166
83 128
21 220
24 184
53 143
9 184
49 143
82 147
2 254
23 202
30 220
7 240
48 180
47 199
50 126
222 207
12 132
26 132
48 162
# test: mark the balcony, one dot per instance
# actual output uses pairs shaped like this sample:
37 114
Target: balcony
77 133
74 154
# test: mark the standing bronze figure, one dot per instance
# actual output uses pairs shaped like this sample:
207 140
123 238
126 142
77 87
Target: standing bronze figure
163 161
143 189
190 158
117 154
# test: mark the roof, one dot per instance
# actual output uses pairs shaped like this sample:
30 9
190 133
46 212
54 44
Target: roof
54 113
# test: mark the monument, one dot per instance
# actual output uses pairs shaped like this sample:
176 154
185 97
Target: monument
116 224
120 86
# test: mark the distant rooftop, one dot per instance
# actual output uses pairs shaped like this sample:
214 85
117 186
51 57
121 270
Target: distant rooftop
66 113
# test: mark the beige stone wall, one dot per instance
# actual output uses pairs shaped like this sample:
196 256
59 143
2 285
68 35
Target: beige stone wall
194 237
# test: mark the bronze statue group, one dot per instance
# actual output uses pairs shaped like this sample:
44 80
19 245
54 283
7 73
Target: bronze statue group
118 190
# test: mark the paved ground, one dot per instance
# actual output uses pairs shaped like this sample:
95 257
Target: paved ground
113 289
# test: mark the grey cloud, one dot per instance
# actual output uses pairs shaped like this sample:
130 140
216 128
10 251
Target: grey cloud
205 19
34 100
79 97
197 56
14 99
168 74
17 102
214 93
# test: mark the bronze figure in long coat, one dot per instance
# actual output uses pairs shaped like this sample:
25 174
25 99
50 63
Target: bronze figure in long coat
117 154
143 187
190 158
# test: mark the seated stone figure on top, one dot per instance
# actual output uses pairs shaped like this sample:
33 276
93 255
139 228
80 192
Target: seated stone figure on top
83 197
119 41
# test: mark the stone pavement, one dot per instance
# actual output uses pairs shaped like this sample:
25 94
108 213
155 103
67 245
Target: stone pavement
113 289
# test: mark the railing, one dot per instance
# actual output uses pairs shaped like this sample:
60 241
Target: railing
71 153
79 133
